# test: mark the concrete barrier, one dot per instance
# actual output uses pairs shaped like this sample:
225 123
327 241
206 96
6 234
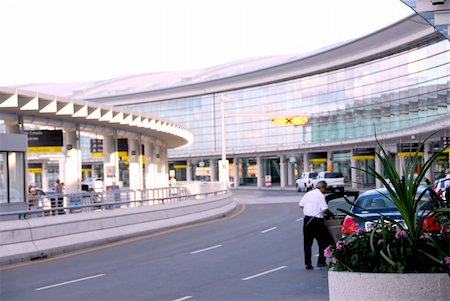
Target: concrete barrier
22 240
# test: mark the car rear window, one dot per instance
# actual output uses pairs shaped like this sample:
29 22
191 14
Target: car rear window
380 203
312 175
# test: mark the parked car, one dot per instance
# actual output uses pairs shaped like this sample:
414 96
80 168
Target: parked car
334 179
38 199
304 183
92 184
338 201
371 206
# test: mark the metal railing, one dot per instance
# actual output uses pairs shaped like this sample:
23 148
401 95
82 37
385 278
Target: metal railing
60 204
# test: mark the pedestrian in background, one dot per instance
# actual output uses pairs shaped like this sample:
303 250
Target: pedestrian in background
314 207
59 201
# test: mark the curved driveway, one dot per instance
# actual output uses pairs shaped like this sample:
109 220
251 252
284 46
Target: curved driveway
256 254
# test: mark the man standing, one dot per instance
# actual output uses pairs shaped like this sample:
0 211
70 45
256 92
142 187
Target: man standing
314 206
59 194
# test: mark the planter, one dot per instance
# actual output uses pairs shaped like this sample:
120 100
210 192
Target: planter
388 286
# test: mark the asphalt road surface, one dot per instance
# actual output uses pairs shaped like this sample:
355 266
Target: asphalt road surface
255 253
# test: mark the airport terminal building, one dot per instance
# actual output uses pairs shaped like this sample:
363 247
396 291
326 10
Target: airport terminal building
276 117
393 83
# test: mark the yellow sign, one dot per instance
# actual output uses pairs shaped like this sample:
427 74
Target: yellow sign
45 149
180 166
97 154
409 154
86 169
364 157
319 160
299 120
35 169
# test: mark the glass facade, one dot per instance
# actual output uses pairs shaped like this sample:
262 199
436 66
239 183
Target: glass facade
383 95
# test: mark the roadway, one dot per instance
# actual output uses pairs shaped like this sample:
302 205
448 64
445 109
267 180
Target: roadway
256 253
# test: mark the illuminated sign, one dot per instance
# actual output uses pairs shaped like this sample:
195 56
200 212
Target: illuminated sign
44 141
298 120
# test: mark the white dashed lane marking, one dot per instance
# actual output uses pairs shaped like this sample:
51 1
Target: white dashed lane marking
265 231
264 273
184 298
206 249
68 282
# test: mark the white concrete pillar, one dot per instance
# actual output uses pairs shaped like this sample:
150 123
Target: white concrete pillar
45 184
378 168
212 170
399 164
72 165
329 161
188 170
133 164
163 170
259 172
283 171
148 173
354 173
290 173
427 152
236 172
151 177
109 161
305 162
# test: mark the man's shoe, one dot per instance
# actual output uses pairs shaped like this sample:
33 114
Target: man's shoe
321 265
309 267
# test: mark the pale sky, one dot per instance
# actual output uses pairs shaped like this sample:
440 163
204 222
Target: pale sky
62 41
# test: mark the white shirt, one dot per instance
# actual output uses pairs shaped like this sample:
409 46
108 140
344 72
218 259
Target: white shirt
447 182
313 203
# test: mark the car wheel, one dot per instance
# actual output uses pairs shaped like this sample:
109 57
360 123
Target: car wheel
298 188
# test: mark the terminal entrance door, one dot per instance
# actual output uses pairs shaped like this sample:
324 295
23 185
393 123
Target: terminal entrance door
271 166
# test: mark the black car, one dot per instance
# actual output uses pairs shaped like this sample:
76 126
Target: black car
374 204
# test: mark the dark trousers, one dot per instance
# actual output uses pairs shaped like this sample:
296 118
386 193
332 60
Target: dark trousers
314 228
447 195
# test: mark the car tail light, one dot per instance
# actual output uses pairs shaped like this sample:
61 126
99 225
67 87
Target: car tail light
349 225
430 224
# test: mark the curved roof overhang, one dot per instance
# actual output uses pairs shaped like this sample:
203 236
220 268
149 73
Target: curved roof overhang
408 33
88 116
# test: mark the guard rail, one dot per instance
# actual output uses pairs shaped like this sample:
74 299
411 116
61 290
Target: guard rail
59 204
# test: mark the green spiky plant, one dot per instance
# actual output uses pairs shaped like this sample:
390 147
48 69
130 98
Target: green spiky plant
420 244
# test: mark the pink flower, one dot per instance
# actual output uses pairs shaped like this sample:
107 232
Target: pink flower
423 236
339 244
328 251
334 260
446 260
380 242
359 231
349 241
400 233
